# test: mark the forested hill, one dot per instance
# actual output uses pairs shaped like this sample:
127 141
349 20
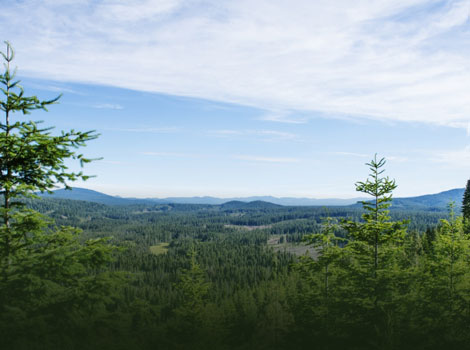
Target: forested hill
83 194
249 205
431 201
438 201
275 219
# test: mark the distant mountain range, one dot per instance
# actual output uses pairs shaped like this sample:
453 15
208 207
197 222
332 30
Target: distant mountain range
289 201
436 201
83 194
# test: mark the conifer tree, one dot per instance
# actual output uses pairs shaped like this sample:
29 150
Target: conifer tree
327 244
444 287
47 275
466 208
322 276
374 250
189 321
377 227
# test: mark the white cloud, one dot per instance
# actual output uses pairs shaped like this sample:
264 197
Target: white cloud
283 118
270 135
455 158
278 134
166 130
226 132
251 158
405 60
169 154
54 88
351 154
397 159
135 10
108 106
112 162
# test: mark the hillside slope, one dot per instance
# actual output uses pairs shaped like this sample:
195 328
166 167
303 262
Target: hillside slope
83 194
437 201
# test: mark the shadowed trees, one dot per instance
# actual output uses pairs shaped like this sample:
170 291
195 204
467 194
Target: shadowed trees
49 278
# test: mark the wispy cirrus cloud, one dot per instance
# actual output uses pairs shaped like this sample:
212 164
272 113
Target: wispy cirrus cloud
108 106
393 158
351 154
263 159
112 162
163 130
266 134
170 154
403 60
243 157
54 88
458 158
397 159
285 118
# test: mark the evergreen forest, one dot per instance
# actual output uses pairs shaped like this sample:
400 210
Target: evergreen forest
82 275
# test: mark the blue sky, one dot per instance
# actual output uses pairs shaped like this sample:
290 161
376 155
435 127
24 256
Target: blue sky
258 97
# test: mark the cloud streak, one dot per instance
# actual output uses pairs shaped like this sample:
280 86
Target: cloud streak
270 135
260 159
351 154
170 154
403 60
283 118
459 158
108 106
165 130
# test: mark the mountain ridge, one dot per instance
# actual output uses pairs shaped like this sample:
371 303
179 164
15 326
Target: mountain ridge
426 202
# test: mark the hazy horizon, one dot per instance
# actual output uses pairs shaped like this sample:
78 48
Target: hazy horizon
358 196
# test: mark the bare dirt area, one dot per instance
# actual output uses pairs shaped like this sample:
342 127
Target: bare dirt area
247 227
298 249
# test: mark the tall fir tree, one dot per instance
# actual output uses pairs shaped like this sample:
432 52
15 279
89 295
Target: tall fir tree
374 248
466 208
49 278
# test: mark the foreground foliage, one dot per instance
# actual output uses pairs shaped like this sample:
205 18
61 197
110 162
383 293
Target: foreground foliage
388 288
49 279
220 286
